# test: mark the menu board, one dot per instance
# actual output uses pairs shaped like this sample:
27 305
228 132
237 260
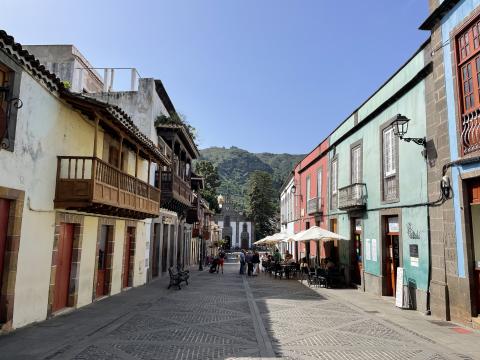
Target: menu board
399 288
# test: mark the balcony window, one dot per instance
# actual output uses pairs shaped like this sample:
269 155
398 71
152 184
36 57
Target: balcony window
468 72
356 165
334 183
308 195
389 165
319 182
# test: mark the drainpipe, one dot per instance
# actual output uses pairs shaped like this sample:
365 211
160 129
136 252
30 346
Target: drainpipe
428 311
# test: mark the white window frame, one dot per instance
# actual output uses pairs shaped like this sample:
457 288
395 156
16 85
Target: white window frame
308 186
388 153
334 176
319 182
356 163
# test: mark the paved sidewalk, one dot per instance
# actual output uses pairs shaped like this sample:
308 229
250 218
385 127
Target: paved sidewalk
232 317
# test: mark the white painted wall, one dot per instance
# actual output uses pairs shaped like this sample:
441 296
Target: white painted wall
139 274
47 128
118 257
87 260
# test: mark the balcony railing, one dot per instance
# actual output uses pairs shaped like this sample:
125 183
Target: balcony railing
352 197
471 132
173 187
164 148
314 206
92 185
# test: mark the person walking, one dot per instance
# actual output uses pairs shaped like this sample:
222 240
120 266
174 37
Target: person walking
242 262
248 259
277 257
221 260
256 263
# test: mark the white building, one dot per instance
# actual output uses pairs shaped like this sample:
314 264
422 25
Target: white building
73 226
237 231
287 202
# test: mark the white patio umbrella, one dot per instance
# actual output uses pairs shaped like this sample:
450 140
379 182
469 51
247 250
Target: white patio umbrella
296 236
265 240
281 236
317 233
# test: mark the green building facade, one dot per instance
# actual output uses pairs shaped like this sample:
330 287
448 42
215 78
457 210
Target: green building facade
378 195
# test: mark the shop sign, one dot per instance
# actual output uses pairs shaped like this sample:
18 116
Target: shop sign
374 249
368 254
393 225
414 255
358 225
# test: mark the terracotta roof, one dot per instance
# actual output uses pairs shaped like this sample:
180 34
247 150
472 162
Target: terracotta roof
122 119
29 62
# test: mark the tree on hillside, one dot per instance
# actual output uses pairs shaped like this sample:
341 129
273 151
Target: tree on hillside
260 207
209 172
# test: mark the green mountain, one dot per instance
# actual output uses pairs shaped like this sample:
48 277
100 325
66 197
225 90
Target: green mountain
235 166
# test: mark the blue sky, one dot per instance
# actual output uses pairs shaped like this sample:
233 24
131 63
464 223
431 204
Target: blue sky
263 75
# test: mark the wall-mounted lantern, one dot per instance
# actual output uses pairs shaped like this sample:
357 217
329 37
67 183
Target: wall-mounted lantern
400 128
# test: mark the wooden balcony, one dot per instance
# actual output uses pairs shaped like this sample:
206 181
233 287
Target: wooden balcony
176 193
314 206
91 185
352 197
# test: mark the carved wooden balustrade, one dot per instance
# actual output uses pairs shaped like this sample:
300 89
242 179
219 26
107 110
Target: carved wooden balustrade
173 187
92 185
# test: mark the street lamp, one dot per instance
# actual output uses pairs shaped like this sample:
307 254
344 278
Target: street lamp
400 128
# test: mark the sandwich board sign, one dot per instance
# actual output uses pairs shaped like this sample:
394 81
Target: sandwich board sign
399 288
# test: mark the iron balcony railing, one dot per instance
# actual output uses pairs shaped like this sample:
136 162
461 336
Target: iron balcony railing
352 197
470 136
314 205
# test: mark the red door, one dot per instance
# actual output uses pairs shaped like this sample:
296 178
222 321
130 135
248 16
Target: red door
4 211
127 256
64 262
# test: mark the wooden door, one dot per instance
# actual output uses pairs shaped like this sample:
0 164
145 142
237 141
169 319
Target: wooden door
356 258
64 263
4 211
102 262
156 250
392 261
165 248
129 242
474 199
477 283
113 154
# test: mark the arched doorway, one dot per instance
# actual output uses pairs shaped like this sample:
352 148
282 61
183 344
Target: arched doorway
228 243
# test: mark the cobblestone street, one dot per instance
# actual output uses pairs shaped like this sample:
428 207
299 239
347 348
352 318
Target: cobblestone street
229 317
